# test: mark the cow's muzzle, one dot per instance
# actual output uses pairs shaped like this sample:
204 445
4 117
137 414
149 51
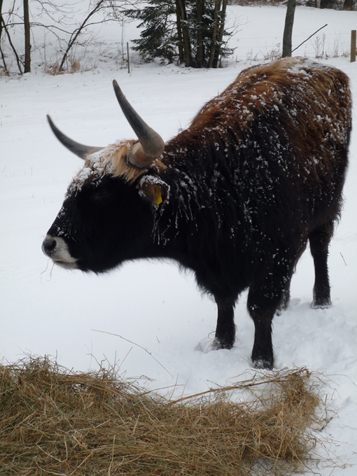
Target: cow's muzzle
56 248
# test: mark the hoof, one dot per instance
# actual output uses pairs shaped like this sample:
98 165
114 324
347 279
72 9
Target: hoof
321 305
218 345
263 364
208 344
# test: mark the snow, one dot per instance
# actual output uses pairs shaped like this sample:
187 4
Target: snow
85 320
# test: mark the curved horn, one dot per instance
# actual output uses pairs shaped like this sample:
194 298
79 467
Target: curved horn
79 149
151 144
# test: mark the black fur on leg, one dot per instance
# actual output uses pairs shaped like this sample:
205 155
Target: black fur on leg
319 242
262 354
225 330
284 301
264 298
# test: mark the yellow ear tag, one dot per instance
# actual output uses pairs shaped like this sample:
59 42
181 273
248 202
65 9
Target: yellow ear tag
158 197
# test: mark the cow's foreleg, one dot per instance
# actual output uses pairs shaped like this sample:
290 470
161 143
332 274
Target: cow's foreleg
262 354
225 330
264 298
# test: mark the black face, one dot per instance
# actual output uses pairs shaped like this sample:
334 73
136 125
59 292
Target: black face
101 223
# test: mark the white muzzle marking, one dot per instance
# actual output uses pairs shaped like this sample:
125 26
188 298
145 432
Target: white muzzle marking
56 248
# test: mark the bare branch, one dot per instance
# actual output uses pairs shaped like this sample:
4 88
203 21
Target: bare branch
78 31
11 44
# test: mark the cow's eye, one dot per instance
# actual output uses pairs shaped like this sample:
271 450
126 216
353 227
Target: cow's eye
101 194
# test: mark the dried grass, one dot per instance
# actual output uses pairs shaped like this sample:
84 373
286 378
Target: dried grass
72 66
57 422
53 68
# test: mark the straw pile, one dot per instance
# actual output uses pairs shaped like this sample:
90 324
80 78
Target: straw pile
53 421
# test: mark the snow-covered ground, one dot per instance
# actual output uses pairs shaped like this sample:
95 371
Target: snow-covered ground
156 312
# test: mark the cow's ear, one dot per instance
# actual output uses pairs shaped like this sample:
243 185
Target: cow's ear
153 189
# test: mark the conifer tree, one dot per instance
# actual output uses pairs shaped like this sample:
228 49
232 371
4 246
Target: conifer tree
158 37
184 31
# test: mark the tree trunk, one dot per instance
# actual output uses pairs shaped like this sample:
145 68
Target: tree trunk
186 45
11 44
27 37
348 5
179 32
1 52
288 28
220 34
1 2
200 47
326 3
217 7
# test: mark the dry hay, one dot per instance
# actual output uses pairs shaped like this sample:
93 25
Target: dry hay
58 422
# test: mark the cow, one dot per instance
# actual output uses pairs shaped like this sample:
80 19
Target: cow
235 197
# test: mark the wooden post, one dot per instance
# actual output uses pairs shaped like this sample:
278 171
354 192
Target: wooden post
288 28
353 46
127 52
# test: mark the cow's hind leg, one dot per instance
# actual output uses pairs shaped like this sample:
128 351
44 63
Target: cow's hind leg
319 242
225 330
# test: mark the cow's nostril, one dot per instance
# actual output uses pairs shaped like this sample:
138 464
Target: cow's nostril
48 246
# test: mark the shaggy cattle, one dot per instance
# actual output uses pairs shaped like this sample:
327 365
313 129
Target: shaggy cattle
235 197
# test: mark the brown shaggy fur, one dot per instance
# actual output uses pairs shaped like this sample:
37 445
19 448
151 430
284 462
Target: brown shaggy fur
259 88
